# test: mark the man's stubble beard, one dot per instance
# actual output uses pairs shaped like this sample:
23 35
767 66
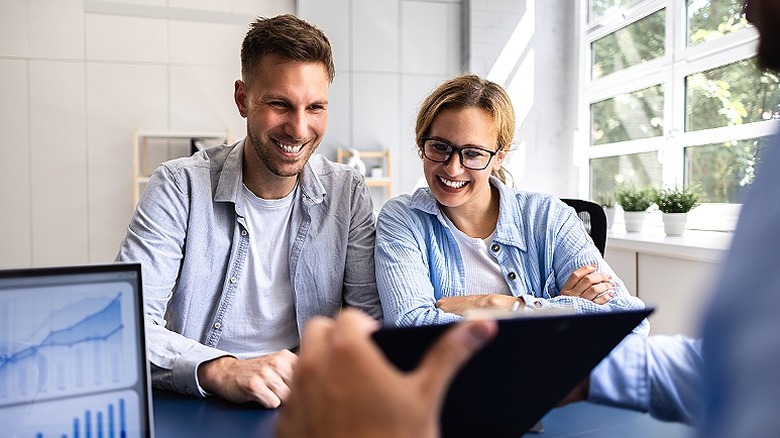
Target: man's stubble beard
270 162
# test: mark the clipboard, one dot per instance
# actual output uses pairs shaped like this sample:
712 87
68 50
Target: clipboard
531 364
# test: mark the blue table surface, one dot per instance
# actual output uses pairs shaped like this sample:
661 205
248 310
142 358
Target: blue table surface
182 416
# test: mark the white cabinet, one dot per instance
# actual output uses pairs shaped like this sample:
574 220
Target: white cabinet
150 148
674 274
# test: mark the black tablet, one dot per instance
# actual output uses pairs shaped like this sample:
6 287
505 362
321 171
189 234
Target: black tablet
531 364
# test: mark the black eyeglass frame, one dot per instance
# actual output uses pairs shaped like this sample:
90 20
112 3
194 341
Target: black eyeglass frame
459 150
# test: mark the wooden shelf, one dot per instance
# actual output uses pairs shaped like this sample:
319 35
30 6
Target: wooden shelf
141 146
386 181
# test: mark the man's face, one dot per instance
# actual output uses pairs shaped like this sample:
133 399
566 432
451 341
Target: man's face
285 103
765 15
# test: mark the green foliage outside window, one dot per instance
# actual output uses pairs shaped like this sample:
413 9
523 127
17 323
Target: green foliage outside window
711 19
729 95
628 116
634 44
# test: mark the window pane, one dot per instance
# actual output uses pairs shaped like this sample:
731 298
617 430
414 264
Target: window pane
602 8
711 19
723 170
634 44
731 95
628 116
639 170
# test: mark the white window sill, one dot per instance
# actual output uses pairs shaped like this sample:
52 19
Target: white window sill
698 245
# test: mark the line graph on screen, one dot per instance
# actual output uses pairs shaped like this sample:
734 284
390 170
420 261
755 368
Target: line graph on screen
76 343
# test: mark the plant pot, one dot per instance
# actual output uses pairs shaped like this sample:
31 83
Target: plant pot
674 223
635 220
610 212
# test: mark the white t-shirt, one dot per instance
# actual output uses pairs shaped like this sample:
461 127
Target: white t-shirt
261 318
483 275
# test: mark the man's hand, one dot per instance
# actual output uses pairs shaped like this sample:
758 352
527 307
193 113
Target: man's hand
459 305
344 385
586 283
265 379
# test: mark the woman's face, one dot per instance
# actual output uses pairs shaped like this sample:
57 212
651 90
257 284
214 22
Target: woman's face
453 185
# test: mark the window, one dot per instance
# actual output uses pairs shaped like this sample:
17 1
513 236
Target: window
670 94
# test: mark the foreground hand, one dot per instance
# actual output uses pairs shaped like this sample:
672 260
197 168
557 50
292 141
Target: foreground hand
586 283
461 304
345 387
265 379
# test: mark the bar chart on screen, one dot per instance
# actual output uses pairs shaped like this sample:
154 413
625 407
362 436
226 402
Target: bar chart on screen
101 416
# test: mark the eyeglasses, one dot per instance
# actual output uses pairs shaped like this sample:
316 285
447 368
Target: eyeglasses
471 157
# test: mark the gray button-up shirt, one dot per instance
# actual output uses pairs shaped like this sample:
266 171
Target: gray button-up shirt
189 234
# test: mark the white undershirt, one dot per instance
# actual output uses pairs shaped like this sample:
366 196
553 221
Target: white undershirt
483 275
261 318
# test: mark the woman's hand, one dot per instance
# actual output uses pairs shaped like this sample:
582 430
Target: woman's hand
462 304
586 283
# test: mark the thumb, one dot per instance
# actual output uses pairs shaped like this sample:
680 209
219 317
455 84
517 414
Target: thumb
453 349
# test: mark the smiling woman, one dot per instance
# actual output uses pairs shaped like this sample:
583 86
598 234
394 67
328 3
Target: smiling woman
468 241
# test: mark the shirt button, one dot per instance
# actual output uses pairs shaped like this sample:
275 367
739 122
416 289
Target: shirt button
495 247
511 275
188 391
217 325
537 304
233 279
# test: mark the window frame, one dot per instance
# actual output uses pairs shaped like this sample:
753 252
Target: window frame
671 70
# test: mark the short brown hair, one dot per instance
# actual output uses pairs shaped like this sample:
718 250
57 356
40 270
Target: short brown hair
468 91
287 36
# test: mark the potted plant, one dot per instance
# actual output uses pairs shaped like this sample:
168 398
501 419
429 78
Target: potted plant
675 203
608 204
635 203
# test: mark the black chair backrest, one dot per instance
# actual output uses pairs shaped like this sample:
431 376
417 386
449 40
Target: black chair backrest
594 218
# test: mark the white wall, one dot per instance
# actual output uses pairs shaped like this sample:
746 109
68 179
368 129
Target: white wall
389 54
530 47
79 76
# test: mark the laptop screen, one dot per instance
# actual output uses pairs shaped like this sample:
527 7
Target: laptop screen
72 353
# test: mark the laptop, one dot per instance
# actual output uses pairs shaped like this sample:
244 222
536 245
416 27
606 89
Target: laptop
72 353
509 385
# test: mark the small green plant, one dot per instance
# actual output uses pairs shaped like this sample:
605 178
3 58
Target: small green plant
677 200
633 199
605 201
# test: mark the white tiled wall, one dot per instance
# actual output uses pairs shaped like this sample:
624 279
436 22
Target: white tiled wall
120 97
15 179
58 146
13 28
77 78
390 54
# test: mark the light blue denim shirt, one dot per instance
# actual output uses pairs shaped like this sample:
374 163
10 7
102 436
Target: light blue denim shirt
188 233
538 242
662 375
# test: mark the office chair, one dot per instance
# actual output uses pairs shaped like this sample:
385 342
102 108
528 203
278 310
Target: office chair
593 218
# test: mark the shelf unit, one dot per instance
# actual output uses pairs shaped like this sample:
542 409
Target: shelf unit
141 145
368 157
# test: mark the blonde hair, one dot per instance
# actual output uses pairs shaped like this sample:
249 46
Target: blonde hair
468 91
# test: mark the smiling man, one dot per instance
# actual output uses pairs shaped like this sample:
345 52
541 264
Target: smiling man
241 244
